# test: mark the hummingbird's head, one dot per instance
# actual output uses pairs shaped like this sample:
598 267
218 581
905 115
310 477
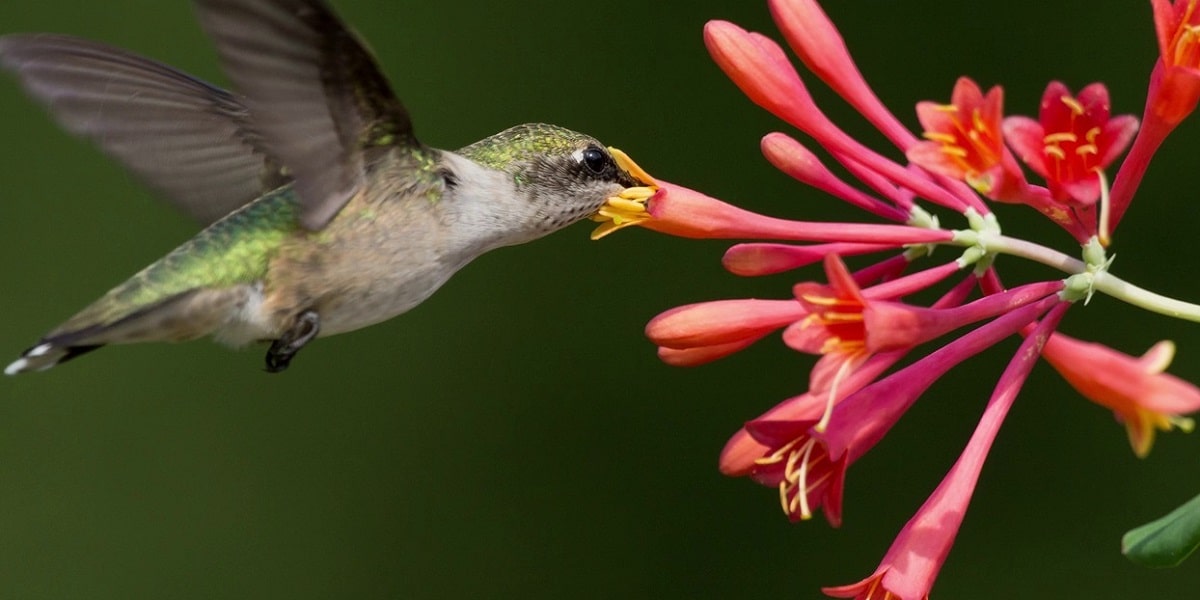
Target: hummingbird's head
563 176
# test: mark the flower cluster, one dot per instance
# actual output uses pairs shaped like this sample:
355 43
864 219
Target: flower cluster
860 323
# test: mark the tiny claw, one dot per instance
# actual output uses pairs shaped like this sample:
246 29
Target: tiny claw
284 349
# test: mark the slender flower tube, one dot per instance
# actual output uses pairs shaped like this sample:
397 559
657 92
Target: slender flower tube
679 211
742 450
1173 94
765 258
911 565
860 421
800 449
761 69
791 157
820 47
719 325
810 466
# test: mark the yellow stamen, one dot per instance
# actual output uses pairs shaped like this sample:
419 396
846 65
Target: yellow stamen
778 455
1072 104
629 206
956 151
833 318
821 300
944 138
842 372
1055 138
977 122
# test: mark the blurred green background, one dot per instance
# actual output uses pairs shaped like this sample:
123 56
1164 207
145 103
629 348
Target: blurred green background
515 437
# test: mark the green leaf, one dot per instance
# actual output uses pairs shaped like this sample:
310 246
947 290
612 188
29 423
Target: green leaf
1165 542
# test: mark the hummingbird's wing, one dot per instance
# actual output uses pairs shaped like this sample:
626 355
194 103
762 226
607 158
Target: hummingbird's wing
314 92
188 140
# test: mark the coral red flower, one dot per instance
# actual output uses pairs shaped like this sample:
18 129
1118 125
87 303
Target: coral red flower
679 211
912 564
698 333
965 140
1173 94
1137 390
1072 141
1178 28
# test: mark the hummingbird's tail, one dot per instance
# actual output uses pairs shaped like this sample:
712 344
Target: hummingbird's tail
185 316
46 355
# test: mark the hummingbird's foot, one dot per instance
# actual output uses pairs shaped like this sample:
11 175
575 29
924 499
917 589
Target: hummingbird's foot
303 331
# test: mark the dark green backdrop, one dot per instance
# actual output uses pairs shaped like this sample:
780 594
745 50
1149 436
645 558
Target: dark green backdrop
514 437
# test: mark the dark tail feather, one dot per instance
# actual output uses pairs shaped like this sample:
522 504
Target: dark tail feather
46 355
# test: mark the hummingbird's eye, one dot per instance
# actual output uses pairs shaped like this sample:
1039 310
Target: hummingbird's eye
596 160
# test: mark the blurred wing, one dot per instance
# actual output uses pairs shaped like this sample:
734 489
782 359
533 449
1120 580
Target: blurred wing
315 93
188 140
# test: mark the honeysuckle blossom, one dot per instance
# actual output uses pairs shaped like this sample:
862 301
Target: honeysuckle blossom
863 321
1140 394
911 565
1172 96
1072 141
965 141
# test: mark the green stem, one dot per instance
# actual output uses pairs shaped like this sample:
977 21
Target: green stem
1103 281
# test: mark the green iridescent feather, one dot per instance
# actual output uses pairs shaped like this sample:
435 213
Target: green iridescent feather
514 146
234 250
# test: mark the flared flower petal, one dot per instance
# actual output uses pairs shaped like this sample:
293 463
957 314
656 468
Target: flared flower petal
1177 25
777 449
1172 97
834 323
965 140
1072 142
1140 394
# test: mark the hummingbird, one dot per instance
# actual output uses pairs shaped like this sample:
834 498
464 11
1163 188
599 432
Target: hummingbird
323 213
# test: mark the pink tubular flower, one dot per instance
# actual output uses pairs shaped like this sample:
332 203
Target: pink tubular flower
682 212
1173 94
862 324
841 319
767 258
699 333
817 42
761 69
860 421
911 565
798 449
1178 28
965 142
1137 390
742 450
1072 141
791 157
777 450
